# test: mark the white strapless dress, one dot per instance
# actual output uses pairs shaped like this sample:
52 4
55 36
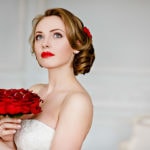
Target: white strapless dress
34 135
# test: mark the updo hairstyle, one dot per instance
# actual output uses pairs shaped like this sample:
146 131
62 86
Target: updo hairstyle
77 38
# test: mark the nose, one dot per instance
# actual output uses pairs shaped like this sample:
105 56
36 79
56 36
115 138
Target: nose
45 43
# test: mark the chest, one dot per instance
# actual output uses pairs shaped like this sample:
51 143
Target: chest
51 107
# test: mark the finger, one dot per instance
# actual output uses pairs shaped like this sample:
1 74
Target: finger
7 132
10 126
11 120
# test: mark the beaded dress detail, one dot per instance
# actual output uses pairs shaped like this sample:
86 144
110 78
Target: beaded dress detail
34 135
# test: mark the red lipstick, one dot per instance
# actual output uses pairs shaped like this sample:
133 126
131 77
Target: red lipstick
46 54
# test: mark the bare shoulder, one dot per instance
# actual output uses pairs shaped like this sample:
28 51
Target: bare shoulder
79 98
36 87
79 103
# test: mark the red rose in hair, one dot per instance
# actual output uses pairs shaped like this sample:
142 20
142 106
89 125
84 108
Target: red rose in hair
87 31
18 102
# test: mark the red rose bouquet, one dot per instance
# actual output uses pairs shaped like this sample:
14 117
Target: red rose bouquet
16 102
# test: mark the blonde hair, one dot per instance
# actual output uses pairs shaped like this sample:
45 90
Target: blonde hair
77 38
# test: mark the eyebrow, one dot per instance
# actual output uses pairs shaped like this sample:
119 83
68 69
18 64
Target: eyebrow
50 31
56 30
38 32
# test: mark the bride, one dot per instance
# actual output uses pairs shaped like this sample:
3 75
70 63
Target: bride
62 45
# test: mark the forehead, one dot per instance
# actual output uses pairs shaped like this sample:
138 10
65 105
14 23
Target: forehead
50 23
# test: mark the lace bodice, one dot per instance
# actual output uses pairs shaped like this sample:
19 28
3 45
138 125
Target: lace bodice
34 135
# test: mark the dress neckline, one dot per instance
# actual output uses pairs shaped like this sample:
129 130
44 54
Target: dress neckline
40 122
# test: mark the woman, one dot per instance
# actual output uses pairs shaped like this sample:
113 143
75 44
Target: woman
64 47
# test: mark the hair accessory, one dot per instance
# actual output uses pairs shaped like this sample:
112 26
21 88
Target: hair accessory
87 31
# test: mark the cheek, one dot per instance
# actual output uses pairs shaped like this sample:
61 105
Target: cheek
67 56
65 53
35 46
66 49
36 49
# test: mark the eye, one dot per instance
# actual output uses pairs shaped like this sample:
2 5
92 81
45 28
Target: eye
38 37
57 35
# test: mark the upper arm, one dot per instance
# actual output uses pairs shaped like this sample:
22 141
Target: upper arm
74 122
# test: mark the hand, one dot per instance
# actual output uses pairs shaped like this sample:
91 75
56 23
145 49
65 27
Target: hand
8 127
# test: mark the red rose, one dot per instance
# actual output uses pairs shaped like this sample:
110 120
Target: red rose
87 31
2 108
18 101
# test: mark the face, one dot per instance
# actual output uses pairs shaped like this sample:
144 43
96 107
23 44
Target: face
52 48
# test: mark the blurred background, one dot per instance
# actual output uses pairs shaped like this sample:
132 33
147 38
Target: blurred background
119 82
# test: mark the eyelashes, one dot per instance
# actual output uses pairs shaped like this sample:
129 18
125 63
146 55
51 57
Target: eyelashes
38 37
55 35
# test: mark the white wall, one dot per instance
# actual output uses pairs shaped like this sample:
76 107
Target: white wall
119 82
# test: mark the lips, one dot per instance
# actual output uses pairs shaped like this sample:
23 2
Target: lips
46 54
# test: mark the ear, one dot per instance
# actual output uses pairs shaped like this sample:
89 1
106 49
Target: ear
76 51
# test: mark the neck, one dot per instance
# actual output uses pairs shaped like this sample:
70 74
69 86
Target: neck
60 78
